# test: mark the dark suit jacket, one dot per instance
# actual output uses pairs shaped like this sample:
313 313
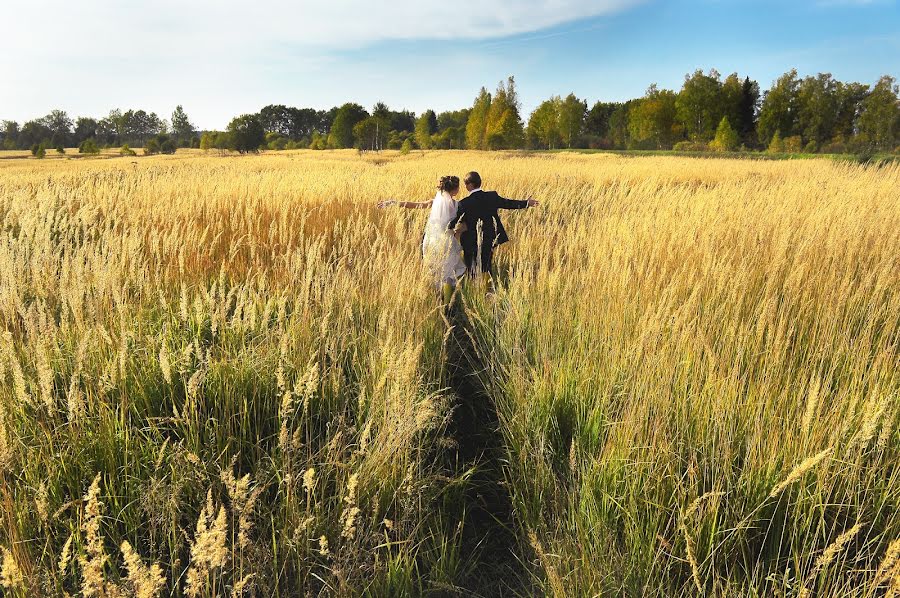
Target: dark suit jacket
482 206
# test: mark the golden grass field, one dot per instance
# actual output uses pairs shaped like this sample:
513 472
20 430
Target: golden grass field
225 376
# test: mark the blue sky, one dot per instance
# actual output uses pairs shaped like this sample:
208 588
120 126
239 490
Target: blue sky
225 57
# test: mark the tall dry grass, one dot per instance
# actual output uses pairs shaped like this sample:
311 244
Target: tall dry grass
695 363
674 329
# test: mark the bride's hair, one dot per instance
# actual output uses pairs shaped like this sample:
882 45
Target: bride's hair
448 183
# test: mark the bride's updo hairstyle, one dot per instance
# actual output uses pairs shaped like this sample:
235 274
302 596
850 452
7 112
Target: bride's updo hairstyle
449 183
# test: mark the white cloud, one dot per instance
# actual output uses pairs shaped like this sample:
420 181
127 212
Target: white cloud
82 55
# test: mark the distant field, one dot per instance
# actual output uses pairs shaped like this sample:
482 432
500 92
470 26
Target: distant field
229 375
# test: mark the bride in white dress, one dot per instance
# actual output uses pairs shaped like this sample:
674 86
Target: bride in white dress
441 250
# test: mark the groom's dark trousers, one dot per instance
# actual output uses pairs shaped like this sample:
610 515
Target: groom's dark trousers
481 208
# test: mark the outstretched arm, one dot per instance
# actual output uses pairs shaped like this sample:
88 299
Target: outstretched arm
516 204
410 205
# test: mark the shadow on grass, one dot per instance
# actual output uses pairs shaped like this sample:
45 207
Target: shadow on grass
483 507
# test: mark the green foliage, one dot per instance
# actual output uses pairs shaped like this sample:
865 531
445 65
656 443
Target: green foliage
880 117
776 145
454 118
597 124
88 146
690 146
476 125
836 146
38 150
618 124
318 141
426 127
504 128
652 120
160 144
246 134
346 118
151 147
818 104
571 119
371 133
726 139
793 144
450 138
60 150
406 147
127 151
275 141
543 125
699 104
182 129
779 108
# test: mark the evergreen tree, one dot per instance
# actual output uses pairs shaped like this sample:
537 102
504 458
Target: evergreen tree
776 145
726 139
746 113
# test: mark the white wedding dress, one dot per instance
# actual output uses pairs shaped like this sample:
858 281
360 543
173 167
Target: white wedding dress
440 249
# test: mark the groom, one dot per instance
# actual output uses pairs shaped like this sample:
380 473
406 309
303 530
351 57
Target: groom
480 207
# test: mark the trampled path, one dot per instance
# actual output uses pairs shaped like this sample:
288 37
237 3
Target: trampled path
489 530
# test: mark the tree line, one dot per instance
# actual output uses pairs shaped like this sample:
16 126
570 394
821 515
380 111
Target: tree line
816 113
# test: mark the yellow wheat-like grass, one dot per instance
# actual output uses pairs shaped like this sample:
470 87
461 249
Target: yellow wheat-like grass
65 556
309 480
697 305
557 586
11 576
798 471
209 549
147 582
94 559
889 568
835 548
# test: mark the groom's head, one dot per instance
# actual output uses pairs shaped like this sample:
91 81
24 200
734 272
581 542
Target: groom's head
473 181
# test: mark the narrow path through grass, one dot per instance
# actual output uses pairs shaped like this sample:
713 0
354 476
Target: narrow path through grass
489 531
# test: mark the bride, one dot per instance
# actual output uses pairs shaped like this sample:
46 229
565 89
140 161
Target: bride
441 250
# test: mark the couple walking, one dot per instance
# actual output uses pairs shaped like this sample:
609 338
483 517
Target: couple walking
460 236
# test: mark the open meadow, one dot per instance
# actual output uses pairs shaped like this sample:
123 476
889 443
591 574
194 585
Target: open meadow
230 375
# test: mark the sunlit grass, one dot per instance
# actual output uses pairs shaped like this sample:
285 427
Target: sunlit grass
695 363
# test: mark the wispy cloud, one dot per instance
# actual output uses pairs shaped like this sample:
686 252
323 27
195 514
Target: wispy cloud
62 52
